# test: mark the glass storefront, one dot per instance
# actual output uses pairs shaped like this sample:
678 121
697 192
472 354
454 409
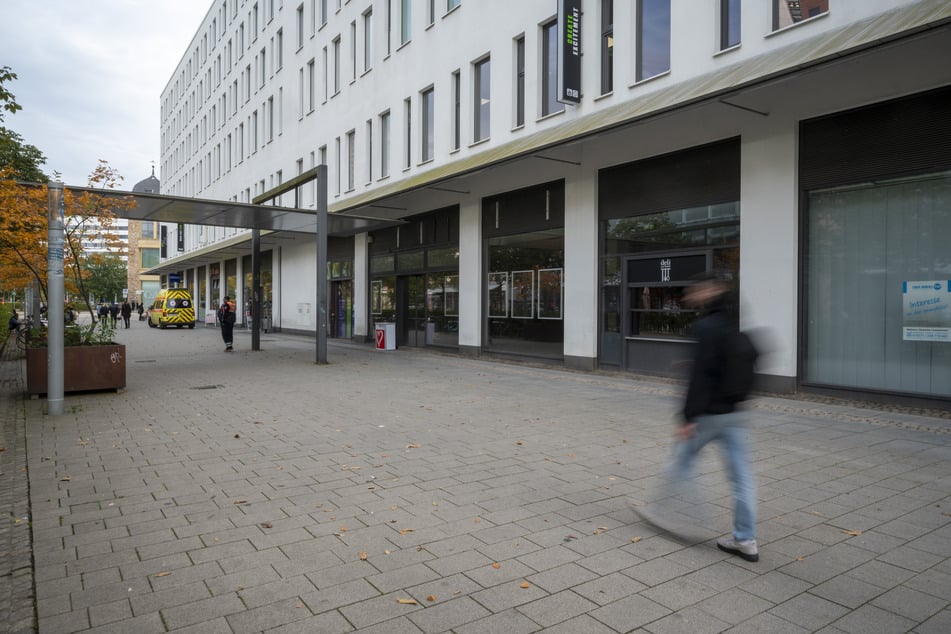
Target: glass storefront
878 286
340 308
525 293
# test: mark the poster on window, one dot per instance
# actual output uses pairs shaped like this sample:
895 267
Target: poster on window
549 293
499 295
926 310
523 294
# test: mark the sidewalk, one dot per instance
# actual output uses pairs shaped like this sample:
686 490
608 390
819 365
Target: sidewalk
408 491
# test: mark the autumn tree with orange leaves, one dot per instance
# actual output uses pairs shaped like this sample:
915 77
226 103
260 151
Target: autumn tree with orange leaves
89 219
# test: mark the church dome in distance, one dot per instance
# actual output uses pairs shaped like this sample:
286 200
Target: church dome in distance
150 185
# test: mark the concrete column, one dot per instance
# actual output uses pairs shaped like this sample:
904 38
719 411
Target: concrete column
471 282
207 289
276 293
361 273
769 245
239 290
581 270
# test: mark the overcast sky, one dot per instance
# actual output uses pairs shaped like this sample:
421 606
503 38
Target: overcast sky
90 74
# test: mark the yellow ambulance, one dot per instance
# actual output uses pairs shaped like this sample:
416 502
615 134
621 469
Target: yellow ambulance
172 307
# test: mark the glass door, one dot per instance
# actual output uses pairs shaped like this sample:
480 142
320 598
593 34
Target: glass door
411 310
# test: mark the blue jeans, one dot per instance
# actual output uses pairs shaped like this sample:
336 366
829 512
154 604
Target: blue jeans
729 430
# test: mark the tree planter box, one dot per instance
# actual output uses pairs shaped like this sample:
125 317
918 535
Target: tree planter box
85 368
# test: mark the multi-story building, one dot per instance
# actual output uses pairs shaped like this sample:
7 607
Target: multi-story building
561 183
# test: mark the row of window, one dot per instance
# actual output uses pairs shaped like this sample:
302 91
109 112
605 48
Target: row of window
653 53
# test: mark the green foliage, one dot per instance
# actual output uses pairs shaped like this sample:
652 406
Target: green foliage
105 275
100 334
7 100
24 159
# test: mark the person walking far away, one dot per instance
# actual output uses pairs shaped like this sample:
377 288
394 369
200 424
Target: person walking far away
114 313
720 378
226 318
126 311
141 310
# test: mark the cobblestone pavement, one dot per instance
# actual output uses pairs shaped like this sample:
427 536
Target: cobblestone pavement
411 491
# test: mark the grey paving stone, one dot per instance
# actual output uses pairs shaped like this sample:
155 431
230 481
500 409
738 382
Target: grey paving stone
810 611
507 622
630 613
326 623
444 589
847 591
688 621
911 604
678 593
160 599
562 577
940 623
448 615
400 625
734 606
869 619
508 595
268 616
377 609
340 595
557 608
201 610
583 624
109 612
147 624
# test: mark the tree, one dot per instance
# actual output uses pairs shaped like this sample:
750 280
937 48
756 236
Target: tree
23 159
23 230
106 276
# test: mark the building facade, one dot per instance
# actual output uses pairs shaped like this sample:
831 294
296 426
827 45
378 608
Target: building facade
144 250
563 168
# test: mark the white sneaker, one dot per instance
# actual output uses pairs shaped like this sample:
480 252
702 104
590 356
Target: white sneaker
745 549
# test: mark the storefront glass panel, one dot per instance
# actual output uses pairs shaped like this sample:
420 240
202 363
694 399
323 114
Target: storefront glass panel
524 287
878 287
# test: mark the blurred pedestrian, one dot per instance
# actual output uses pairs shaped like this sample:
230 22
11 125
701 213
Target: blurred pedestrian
126 311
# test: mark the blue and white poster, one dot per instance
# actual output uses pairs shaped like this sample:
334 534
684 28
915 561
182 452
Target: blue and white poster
926 308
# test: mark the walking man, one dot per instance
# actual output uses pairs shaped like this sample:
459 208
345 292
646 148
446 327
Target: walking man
226 318
126 311
711 410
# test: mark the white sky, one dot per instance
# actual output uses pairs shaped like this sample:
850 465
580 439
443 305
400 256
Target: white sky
90 76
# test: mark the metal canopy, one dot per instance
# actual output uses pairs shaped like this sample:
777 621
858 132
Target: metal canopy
220 213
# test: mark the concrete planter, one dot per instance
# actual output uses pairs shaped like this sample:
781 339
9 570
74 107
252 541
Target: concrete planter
86 368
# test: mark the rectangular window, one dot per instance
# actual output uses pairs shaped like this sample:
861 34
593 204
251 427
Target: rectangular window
263 74
549 99
369 147
452 4
653 38
254 132
311 96
729 24
338 163
607 45
427 126
368 40
431 13
408 136
270 119
279 49
336 45
301 93
789 12
520 81
326 80
353 51
351 159
323 12
456 110
389 27
406 17
300 27
482 99
385 144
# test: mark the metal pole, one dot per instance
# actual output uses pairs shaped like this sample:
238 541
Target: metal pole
322 263
256 289
54 299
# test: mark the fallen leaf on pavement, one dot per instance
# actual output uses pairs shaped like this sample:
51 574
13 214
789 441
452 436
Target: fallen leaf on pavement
65 479
363 555
163 574
413 446
431 597
240 502
406 530
496 565
852 533
267 525
800 558
387 552
524 585
407 601
634 540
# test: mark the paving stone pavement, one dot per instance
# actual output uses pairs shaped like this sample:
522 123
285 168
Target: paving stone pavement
413 491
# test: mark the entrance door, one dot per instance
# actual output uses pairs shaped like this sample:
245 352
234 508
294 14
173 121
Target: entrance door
341 309
411 310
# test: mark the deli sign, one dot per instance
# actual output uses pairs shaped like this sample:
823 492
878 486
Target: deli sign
569 51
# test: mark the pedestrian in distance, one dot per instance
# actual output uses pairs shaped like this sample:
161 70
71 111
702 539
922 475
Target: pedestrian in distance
103 312
141 310
226 318
114 313
720 379
126 311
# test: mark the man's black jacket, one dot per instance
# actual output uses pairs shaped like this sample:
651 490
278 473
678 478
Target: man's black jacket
712 332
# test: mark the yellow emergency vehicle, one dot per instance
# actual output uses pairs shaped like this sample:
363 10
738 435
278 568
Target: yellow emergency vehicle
172 307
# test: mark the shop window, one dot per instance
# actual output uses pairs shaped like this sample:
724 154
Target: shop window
878 286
